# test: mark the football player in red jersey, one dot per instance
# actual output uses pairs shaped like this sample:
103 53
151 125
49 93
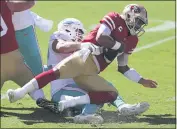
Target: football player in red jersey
115 36
12 63
124 28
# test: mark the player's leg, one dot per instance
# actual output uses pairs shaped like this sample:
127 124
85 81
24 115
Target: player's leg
89 114
129 109
83 113
28 46
3 72
79 63
72 90
61 94
99 92
121 105
21 75
5 67
88 108
91 108
67 94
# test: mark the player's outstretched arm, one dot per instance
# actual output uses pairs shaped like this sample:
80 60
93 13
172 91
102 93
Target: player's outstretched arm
21 5
132 74
60 46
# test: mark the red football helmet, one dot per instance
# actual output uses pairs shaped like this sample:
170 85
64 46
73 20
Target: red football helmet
136 18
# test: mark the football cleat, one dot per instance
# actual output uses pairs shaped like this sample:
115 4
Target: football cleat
61 106
13 96
46 104
133 110
88 119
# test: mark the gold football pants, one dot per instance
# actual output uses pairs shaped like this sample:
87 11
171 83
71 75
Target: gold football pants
81 67
13 68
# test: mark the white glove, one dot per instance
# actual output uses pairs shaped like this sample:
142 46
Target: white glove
96 50
43 24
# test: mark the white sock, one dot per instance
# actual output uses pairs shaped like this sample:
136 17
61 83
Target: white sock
37 94
66 97
29 87
79 100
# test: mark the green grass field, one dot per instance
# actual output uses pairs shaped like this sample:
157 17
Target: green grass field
157 63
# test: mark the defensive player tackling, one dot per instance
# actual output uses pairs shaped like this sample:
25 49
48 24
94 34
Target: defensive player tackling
71 29
115 36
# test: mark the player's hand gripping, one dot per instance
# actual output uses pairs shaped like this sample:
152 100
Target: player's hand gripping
96 50
148 83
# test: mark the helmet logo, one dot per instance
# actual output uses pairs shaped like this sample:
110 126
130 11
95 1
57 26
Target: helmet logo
135 9
68 22
120 28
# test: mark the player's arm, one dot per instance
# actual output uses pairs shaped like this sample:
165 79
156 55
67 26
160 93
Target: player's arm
131 73
21 5
128 72
61 46
104 39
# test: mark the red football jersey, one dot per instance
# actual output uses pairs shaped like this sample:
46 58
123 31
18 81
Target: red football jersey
8 40
119 32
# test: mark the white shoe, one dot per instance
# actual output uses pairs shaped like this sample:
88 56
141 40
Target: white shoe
60 106
89 119
136 109
64 104
13 96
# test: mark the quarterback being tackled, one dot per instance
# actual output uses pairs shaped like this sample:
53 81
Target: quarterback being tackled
93 55
71 29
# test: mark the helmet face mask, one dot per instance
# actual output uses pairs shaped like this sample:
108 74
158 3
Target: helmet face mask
73 28
79 35
135 17
138 27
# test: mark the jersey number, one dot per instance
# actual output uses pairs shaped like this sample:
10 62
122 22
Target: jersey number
4 27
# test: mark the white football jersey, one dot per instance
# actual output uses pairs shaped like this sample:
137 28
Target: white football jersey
22 20
54 58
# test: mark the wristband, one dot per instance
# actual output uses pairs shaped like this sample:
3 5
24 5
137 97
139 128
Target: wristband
132 75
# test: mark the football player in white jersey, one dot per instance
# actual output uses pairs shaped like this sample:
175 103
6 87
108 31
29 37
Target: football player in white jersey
71 29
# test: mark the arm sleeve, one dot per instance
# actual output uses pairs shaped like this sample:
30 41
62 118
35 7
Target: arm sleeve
122 59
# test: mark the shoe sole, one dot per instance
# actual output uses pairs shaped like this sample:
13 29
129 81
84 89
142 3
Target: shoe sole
47 105
144 106
60 107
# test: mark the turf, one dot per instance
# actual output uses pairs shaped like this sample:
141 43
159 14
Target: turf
157 63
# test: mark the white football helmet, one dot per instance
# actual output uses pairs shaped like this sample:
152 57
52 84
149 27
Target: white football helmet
136 18
73 27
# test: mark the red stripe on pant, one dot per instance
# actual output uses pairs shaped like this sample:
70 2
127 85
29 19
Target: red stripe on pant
102 97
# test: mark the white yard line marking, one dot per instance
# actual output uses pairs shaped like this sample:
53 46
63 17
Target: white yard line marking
164 25
154 44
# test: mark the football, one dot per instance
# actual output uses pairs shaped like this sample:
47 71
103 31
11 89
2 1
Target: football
106 41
